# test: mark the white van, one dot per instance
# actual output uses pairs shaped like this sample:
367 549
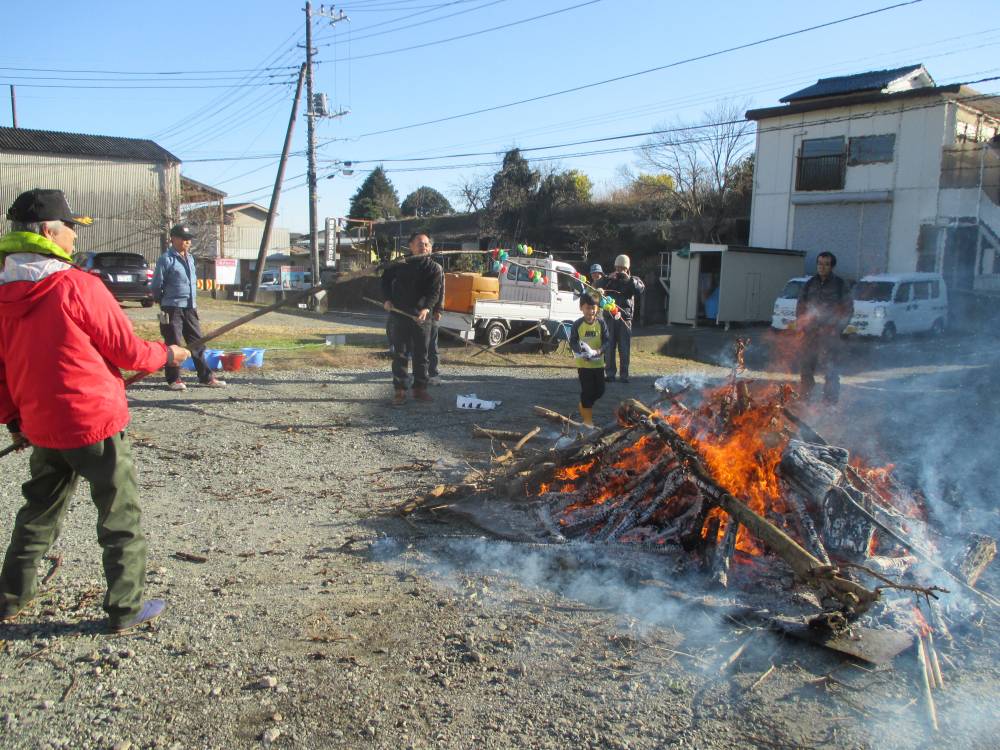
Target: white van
783 315
888 304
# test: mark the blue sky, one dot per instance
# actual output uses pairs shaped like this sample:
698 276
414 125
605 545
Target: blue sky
202 118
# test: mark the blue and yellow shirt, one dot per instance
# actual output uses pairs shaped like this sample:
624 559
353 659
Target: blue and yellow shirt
595 335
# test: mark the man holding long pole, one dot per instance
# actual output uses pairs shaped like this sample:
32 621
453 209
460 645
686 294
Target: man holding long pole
413 287
63 340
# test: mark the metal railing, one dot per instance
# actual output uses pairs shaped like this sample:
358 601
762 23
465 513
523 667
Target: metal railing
821 172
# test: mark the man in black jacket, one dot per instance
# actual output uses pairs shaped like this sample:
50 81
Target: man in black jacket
412 288
624 289
823 309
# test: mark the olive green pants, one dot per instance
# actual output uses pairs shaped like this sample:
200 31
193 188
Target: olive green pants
108 467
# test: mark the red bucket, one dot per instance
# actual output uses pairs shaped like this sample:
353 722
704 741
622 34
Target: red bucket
233 361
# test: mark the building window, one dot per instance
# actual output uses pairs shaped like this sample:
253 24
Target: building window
871 149
821 164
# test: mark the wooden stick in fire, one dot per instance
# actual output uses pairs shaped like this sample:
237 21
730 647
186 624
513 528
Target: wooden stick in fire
925 674
854 597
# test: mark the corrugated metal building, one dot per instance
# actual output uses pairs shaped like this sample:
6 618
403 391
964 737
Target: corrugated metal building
130 186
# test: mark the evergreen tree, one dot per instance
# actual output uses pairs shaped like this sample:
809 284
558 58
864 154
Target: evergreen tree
426 201
376 198
511 194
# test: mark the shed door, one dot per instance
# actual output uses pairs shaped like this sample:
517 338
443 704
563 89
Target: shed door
683 302
752 309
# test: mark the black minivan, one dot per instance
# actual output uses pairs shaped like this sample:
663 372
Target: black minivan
127 275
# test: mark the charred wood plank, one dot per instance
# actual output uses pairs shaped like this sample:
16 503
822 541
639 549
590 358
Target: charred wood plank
976 557
722 556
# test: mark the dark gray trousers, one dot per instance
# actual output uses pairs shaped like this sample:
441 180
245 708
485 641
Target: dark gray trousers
620 336
184 329
408 336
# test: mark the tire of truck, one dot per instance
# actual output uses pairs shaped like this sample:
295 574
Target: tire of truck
494 332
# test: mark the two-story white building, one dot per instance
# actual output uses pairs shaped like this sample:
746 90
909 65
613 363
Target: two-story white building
887 170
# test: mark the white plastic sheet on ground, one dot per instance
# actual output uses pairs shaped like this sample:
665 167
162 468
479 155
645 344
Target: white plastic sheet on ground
474 402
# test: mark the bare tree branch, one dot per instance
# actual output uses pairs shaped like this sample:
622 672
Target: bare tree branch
704 164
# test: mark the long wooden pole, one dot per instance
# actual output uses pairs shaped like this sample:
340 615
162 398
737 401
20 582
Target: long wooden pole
224 329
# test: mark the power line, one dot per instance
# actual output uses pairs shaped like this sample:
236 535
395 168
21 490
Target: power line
773 128
469 34
271 58
413 25
152 88
626 76
142 72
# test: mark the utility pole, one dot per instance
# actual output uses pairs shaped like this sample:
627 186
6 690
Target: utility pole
13 106
265 240
312 113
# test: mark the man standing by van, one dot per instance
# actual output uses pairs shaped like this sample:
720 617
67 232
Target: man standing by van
823 309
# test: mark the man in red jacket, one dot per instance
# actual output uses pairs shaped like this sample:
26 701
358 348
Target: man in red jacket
63 342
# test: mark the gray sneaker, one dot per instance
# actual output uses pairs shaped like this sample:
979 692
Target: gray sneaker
151 609
177 385
214 383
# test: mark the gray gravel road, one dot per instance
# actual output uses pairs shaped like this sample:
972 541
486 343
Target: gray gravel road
320 619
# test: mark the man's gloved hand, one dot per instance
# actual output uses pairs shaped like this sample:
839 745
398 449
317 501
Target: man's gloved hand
19 440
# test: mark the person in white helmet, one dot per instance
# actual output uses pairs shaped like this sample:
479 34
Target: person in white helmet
624 289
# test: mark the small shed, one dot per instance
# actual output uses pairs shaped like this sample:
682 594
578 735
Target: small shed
728 283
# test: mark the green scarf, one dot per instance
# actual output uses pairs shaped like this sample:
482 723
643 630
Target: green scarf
29 242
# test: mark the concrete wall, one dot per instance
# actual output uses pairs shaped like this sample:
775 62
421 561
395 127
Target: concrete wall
908 183
126 199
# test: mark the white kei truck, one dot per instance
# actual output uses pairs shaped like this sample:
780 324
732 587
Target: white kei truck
522 303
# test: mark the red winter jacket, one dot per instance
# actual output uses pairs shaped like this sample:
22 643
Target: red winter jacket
63 338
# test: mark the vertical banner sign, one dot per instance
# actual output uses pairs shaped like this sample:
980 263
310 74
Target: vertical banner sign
331 242
225 271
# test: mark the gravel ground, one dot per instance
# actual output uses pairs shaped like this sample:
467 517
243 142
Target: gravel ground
321 619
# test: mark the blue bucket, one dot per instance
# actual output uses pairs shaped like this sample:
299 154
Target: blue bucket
253 357
187 364
213 358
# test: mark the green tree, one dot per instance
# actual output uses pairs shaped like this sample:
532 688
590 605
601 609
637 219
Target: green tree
376 198
511 194
426 201
559 189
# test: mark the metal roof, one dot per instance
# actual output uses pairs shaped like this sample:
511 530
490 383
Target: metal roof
873 80
80 144
969 97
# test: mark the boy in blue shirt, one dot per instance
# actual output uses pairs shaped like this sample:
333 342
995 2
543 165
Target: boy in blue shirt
589 340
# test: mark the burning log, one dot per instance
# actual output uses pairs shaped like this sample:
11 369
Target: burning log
852 597
722 558
817 471
809 532
975 558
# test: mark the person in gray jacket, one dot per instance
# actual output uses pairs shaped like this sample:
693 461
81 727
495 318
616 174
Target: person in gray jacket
175 285
625 289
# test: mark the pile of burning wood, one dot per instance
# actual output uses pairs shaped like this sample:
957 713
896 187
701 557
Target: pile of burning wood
732 480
